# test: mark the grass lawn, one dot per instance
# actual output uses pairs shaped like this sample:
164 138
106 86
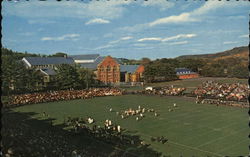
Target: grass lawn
192 129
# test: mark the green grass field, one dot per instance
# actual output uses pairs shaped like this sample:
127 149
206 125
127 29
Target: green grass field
192 129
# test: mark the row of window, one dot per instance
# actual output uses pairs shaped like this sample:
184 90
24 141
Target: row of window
109 75
44 66
185 72
108 69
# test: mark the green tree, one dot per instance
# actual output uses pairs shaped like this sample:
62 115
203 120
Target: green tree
59 54
67 77
193 64
145 61
157 71
86 77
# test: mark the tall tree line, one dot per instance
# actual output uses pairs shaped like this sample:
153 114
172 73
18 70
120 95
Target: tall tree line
16 78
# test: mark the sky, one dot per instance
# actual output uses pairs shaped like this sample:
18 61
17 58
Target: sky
125 28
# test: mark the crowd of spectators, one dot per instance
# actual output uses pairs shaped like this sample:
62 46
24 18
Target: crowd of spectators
222 102
222 93
163 91
168 91
62 95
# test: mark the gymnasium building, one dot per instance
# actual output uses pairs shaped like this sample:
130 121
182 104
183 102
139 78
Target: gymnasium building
184 73
107 69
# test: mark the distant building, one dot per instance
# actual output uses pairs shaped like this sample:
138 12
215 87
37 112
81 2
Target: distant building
88 61
185 73
110 70
47 66
46 62
132 73
107 69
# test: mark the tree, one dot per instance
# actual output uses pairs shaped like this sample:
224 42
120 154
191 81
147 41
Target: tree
145 61
59 54
86 77
193 64
157 71
67 77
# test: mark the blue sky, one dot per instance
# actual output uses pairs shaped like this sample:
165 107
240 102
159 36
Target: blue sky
129 29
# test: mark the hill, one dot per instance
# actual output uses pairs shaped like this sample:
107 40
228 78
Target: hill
237 52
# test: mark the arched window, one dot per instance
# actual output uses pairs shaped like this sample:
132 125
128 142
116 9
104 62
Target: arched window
100 68
108 68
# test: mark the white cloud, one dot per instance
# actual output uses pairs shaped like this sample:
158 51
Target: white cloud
97 21
230 42
209 6
190 16
126 38
63 37
113 43
196 15
162 4
72 9
179 36
178 43
244 36
184 17
104 47
121 39
150 39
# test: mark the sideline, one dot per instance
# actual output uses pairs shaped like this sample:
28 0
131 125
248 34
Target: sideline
190 147
220 138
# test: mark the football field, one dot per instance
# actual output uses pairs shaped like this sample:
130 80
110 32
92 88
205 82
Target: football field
191 129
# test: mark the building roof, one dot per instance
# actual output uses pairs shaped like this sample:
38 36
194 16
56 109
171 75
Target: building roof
48 60
48 71
128 68
109 61
92 65
92 60
85 57
183 71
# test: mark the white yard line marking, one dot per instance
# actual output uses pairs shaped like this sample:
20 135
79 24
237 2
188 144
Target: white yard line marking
199 126
194 148
219 138
190 147
205 133
233 145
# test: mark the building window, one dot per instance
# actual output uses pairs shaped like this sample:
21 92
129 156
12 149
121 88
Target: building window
108 68
46 79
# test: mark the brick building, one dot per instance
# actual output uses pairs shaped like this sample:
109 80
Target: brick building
132 73
108 71
184 73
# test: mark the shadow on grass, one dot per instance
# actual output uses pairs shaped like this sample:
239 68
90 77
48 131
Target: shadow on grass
24 136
